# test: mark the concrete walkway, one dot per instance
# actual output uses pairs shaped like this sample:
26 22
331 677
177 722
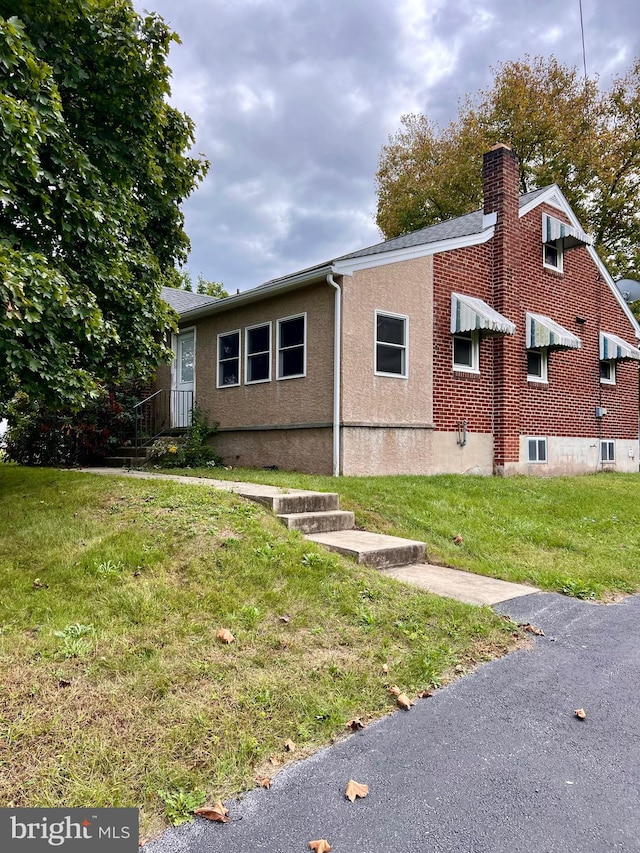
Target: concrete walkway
402 559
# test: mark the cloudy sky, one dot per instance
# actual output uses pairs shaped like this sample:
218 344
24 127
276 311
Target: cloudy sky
293 99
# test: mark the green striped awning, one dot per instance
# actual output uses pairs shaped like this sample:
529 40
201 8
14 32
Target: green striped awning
544 332
554 230
613 348
468 314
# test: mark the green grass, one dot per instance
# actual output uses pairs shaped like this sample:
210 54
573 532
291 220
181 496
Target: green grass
113 687
575 535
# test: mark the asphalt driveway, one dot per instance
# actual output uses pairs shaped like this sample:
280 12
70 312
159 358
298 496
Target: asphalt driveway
495 762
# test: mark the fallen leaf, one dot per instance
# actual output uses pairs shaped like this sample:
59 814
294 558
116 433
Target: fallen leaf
580 713
275 761
225 635
38 584
458 539
403 701
459 668
395 690
355 789
142 842
320 846
425 694
533 629
264 783
217 812
289 746
64 683
355 724
285 618
385 668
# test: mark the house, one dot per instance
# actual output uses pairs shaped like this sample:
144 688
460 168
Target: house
492 343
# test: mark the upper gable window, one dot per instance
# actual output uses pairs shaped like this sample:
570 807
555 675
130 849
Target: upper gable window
391 345
552 255
229 359
292 339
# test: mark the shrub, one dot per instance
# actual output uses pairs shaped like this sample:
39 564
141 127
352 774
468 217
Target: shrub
190 451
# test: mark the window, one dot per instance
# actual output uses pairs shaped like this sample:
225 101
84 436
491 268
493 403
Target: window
466 351
257 353
537 365
536 450
608 372
552 255
607 451
391 345
292 360
229 359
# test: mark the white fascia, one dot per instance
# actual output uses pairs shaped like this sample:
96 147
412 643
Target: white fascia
555 197
348 267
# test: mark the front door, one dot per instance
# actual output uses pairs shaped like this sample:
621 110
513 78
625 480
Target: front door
182 392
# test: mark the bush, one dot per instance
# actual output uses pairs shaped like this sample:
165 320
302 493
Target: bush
40 436
190 451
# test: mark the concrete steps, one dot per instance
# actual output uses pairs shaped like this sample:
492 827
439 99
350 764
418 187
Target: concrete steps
373 549
318 522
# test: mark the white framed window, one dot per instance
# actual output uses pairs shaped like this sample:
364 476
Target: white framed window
228 373
607 450
257 354
466 352
608 372
391 345
537 361
552 255
536 449
292 347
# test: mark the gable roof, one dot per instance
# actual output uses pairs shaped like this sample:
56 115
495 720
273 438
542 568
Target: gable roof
184 300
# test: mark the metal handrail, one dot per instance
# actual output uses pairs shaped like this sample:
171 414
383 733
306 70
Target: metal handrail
161 411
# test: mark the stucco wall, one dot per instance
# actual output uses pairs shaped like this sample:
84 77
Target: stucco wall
306 450
303 400
401 288
476 457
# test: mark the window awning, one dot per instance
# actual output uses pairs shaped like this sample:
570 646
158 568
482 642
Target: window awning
544 332
554 230
469 314
613 348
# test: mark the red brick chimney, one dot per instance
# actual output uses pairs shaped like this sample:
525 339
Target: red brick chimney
500 186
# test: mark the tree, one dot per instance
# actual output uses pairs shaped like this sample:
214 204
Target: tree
183 281
93 169
564 130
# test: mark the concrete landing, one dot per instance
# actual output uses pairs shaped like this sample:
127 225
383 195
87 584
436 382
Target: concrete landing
373 549
463 586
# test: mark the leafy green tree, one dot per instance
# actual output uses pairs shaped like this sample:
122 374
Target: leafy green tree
564 130
93 168
183 281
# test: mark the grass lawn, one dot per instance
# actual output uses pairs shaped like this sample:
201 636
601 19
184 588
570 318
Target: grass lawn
575 535
114 689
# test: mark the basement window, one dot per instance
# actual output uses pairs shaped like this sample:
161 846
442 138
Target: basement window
536 450
607 450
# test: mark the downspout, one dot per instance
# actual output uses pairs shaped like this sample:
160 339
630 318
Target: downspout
336 373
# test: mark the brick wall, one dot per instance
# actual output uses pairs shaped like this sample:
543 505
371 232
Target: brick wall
508 273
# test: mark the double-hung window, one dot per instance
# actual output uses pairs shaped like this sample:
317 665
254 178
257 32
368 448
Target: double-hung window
229 359
536 449
466 352
537 365
292 338
391 343
257 353
552 255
